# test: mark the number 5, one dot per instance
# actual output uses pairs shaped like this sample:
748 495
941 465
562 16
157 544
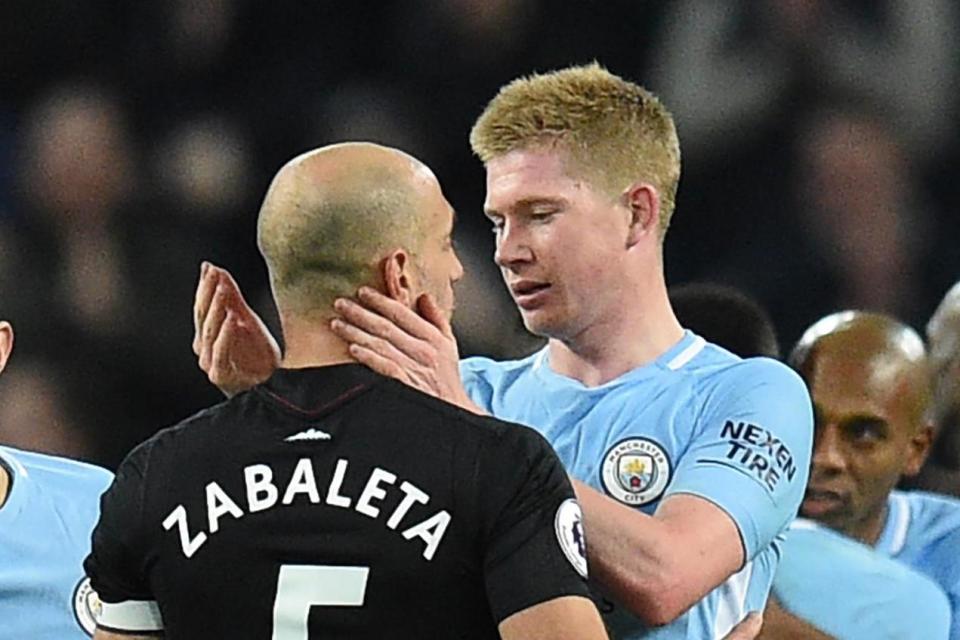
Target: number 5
300 587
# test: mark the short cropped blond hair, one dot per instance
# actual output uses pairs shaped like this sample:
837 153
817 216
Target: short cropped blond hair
616 131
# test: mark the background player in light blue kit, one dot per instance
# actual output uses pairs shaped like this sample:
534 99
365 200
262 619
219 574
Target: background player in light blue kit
48 507
869 379
691 462
870 596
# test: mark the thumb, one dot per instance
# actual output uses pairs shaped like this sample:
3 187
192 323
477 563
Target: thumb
431 312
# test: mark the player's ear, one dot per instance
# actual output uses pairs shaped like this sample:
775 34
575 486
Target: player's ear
6 342
643 202
919 448
398 277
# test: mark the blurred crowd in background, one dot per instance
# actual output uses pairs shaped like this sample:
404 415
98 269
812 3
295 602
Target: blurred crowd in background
820 139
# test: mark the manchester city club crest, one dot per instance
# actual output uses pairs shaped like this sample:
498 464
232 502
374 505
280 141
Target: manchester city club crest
86 606
635 471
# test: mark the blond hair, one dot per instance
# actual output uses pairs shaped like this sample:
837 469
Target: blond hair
615 131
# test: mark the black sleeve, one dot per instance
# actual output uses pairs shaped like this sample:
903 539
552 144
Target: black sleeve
535 549
117 557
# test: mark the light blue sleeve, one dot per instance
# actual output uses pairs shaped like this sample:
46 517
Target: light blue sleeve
750 454
851 592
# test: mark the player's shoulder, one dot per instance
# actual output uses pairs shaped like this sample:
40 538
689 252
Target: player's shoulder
509 438
180 437
52 471
931 519
716 365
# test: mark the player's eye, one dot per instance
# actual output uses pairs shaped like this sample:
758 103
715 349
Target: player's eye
866 431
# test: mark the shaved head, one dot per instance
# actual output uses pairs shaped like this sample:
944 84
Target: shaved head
870 384
890 354
332 214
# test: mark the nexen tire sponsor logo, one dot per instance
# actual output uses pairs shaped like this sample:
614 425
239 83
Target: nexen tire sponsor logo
760 452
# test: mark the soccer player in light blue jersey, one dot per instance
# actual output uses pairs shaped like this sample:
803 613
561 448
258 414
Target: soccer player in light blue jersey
48 506
690 462
869 379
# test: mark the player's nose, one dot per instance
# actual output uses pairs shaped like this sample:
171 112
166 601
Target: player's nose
828 454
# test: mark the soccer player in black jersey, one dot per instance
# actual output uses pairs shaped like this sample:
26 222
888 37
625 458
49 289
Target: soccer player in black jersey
331 502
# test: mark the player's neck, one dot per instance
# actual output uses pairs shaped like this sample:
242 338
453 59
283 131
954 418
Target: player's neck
4 485
311 343
618 344
868 531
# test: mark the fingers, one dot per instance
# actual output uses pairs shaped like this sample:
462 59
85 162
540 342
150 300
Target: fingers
220 364
380 364
432 313
371 323
212 324
397 313
748 628
383 349
201 301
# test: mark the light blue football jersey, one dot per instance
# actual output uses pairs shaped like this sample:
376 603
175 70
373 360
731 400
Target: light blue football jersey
697 420
851 592
923 531
45 527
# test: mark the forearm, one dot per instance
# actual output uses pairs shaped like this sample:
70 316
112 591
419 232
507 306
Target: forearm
640 562
780 624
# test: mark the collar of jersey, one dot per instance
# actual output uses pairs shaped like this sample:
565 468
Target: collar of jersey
19 479
313 391
664 362
894 534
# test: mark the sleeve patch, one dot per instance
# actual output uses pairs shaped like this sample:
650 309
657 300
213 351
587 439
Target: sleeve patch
568 524
758 452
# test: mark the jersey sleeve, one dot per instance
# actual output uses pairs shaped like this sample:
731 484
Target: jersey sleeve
870 595
750 454
535 548
116 564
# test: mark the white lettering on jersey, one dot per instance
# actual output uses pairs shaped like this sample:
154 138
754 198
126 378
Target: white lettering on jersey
430 531
302 481
179 517
259 479
373 492
413 494
219 504
333 492
263 494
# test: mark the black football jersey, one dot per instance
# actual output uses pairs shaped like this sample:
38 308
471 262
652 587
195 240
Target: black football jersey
335 503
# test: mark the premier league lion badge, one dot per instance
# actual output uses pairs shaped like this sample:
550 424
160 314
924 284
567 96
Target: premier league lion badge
635 471
568 523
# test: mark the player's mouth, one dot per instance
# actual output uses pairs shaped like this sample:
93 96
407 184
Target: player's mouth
529 294
819 502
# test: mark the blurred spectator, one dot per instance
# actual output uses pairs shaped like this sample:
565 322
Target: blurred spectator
34 412
851 231
733 69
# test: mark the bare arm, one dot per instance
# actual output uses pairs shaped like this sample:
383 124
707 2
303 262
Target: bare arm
780 624
659 566
566 618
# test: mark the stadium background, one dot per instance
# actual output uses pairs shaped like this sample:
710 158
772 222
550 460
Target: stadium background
820 139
